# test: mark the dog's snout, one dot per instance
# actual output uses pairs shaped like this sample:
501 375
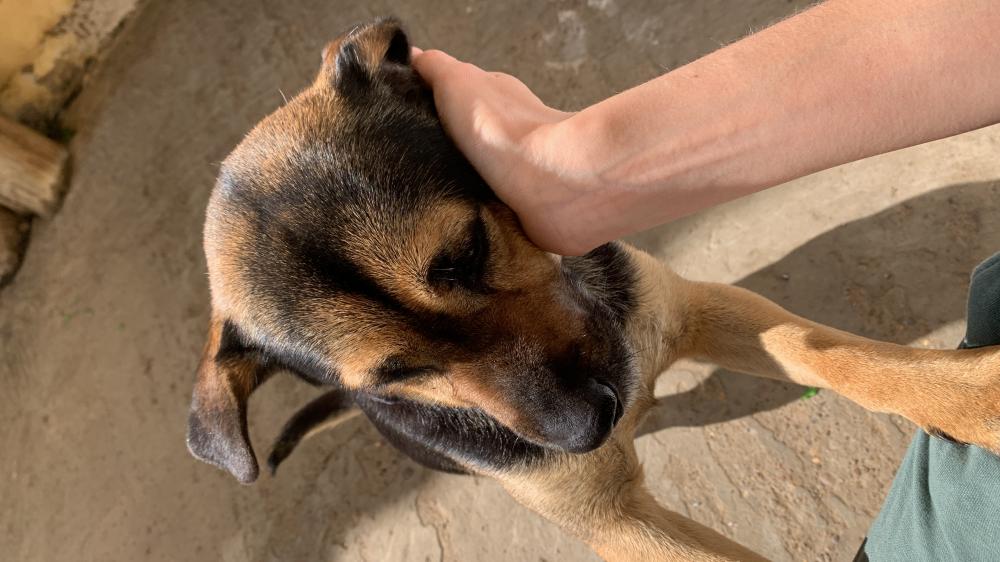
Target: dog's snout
586 424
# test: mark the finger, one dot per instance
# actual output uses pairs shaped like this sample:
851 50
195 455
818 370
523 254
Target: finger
433 65
415 51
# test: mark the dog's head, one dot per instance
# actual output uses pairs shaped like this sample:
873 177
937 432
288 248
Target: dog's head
348 241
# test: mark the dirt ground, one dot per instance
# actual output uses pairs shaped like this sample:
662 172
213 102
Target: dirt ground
101 330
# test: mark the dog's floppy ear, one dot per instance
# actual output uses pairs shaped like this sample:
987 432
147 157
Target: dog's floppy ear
369 52
217 423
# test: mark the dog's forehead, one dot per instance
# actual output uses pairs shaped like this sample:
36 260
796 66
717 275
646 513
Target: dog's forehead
382 157
323 220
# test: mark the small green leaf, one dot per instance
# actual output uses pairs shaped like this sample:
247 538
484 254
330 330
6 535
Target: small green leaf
809 393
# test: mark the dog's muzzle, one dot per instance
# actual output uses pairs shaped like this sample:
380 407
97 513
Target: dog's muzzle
587 424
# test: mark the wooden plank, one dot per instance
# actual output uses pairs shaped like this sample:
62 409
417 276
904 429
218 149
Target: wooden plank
13 231
32 169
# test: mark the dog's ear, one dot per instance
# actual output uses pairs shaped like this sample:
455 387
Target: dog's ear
217 423
373 51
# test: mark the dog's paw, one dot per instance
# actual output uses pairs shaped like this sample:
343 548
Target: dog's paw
969 413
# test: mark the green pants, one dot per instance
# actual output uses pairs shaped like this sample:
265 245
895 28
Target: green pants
944 504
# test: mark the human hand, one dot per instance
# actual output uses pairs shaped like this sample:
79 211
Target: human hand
515 143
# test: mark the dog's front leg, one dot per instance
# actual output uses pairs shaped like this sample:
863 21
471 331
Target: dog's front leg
601 498
955 392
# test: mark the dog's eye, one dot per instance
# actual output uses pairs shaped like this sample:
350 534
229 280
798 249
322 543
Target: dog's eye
405 373
464 266
396 368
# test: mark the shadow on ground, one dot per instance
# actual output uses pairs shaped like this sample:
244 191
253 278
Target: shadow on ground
894 276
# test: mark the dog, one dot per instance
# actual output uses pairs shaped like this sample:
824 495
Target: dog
350 243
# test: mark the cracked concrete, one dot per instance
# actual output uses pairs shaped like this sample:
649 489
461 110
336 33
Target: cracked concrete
101 330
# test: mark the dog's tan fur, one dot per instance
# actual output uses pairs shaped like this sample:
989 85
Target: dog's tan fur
598 496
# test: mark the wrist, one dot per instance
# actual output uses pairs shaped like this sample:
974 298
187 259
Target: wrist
563 155
558 185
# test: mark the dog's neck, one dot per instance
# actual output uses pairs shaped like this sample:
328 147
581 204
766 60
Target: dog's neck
657 328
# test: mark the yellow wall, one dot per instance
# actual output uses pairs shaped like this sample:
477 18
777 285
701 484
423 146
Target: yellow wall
23 24
45 47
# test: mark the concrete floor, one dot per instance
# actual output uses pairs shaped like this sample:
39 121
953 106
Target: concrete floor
101 331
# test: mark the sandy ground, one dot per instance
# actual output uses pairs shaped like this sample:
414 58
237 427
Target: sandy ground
101 331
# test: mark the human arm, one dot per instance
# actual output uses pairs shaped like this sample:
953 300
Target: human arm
842 81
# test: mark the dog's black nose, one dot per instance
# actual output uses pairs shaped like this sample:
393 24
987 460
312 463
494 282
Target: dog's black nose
587 424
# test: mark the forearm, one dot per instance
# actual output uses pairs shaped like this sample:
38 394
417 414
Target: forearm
845 80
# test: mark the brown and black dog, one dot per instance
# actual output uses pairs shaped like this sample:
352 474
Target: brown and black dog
350 243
